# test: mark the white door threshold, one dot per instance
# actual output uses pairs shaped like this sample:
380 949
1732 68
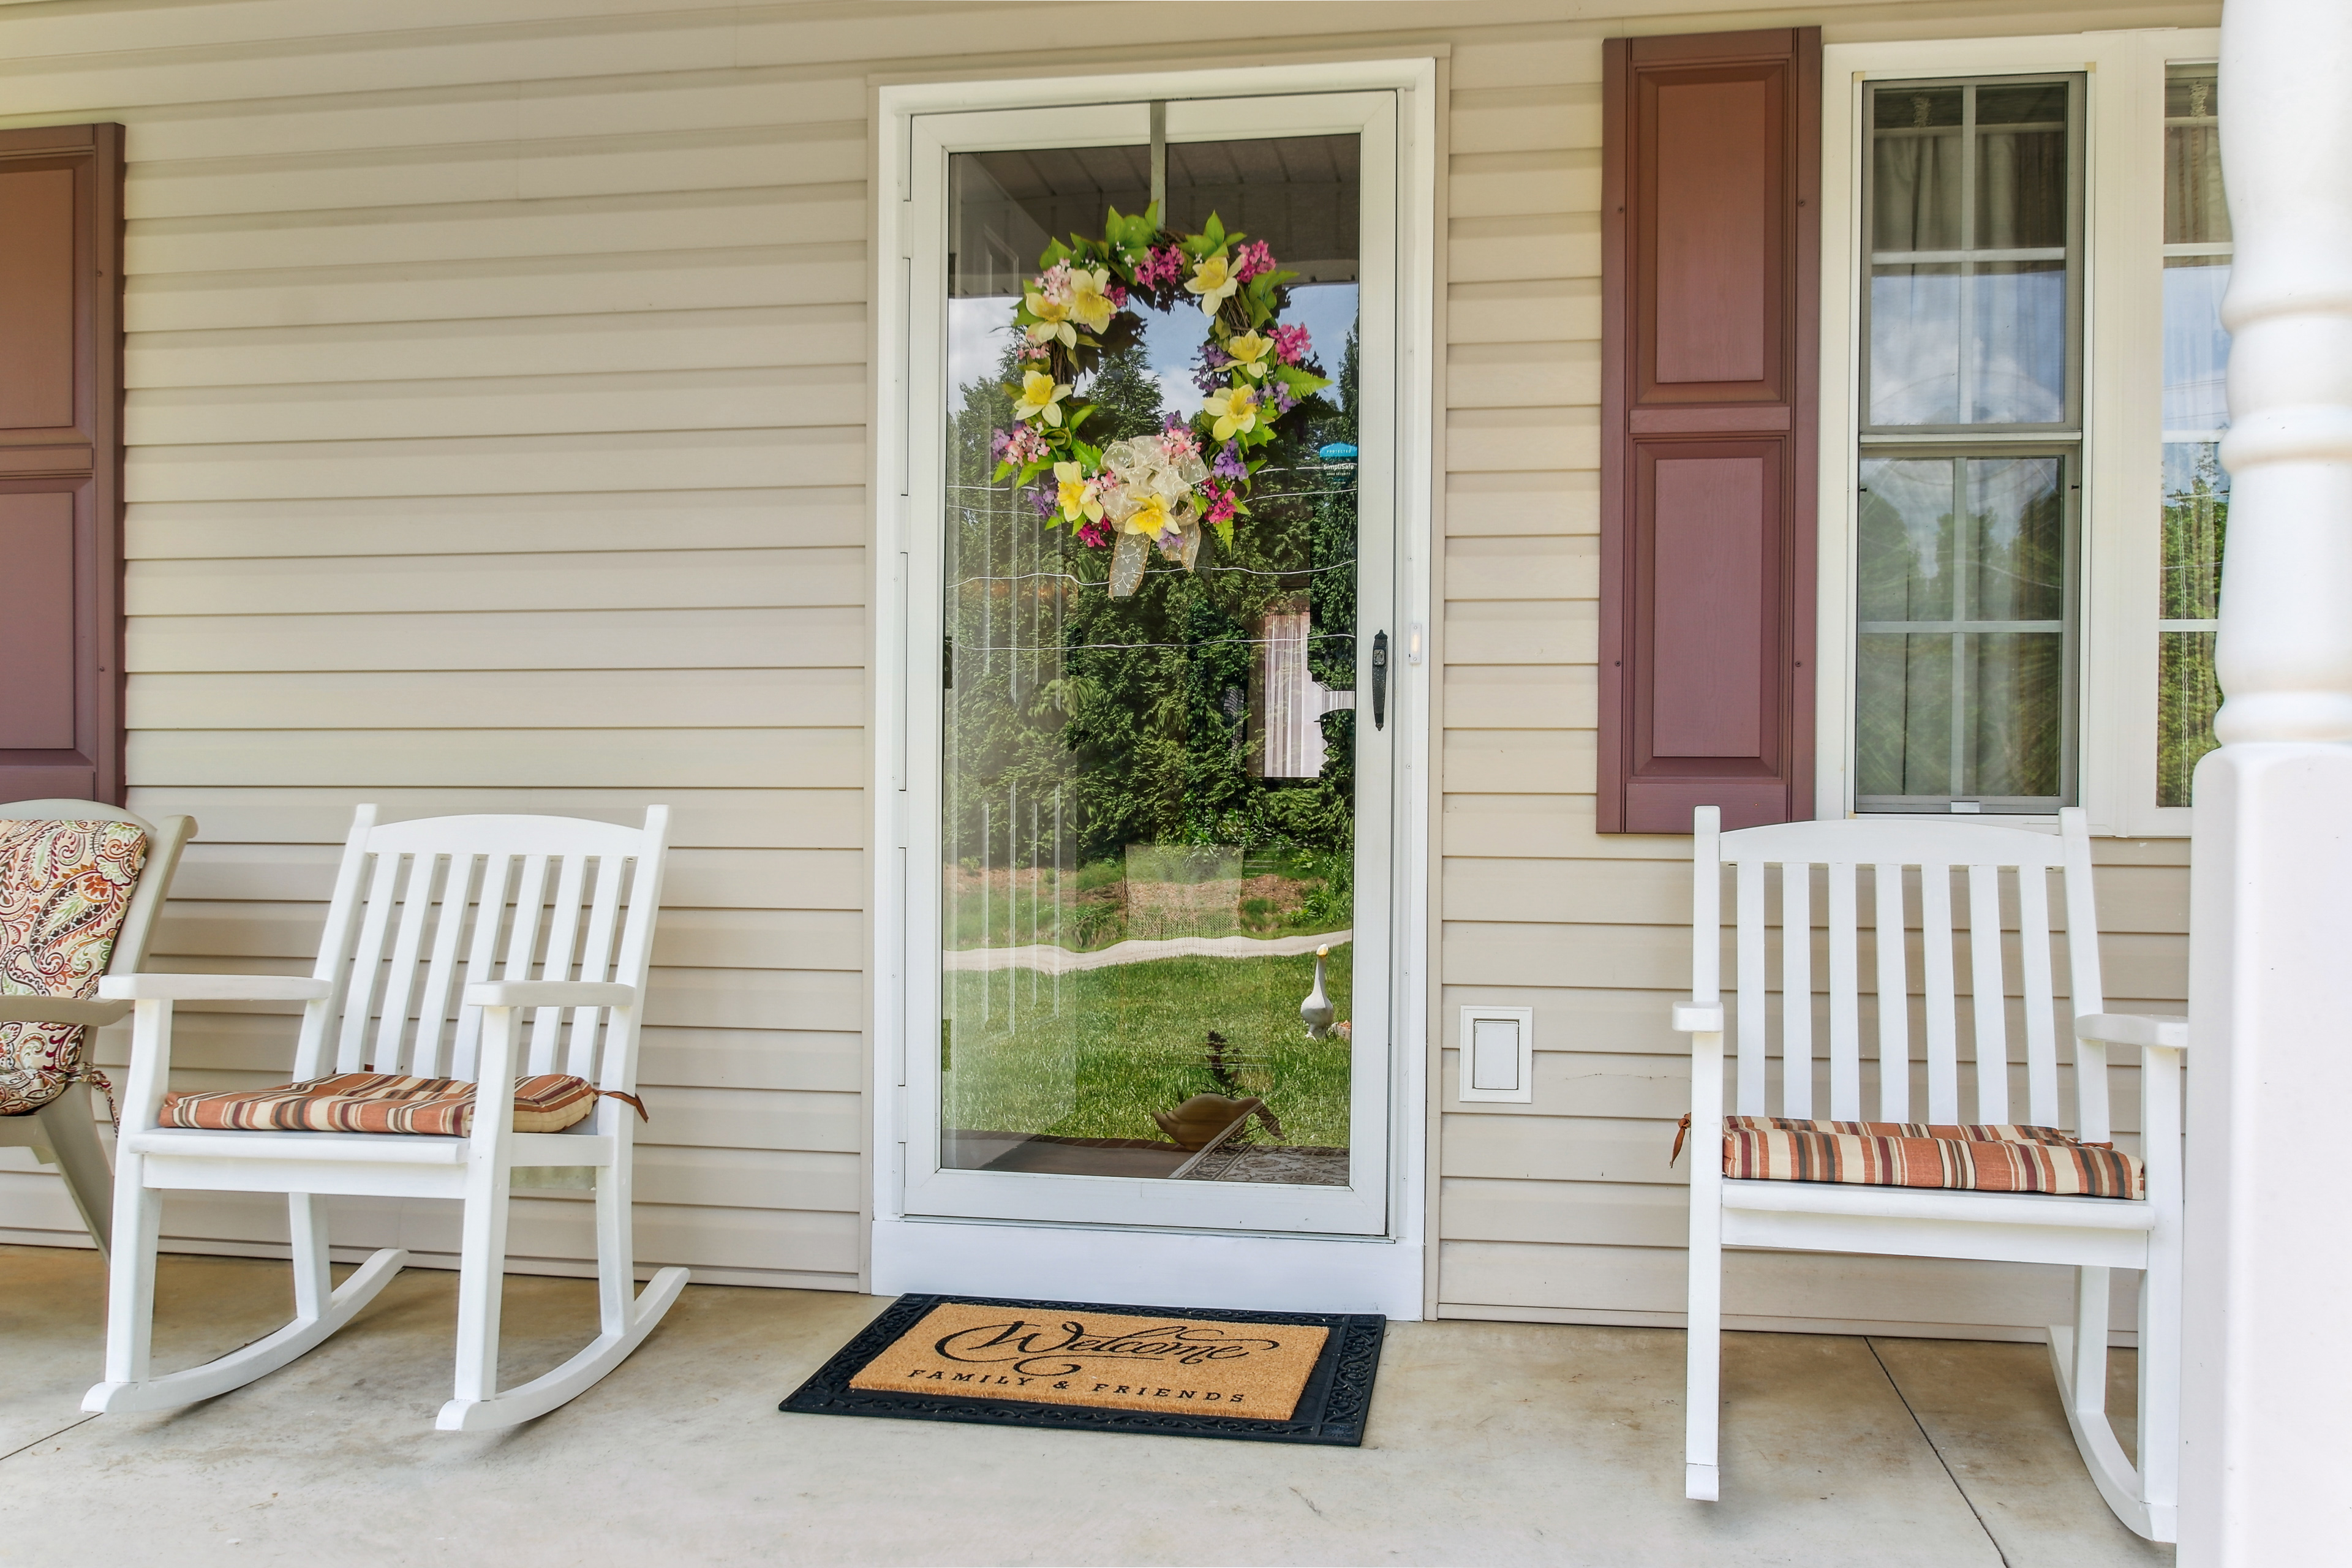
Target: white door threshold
1148 1268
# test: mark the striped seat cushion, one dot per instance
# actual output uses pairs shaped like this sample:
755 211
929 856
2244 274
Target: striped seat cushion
378 1102
1972 1157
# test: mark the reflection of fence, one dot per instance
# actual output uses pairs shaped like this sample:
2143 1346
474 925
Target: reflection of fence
1057 960
1291 702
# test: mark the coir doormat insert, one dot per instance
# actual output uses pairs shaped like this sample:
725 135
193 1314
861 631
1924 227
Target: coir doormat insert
1186 1371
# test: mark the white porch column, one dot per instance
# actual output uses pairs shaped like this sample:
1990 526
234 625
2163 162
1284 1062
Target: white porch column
2267 1443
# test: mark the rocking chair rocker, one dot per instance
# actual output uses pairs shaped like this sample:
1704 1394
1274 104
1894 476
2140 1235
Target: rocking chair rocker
452 910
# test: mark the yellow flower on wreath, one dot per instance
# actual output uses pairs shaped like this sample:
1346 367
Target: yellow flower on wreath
1076 499
1235 410
1214 281
1150 516
1052 321
1040 399
1251 353
1090 303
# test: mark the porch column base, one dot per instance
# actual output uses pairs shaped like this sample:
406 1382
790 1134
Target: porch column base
2269 1265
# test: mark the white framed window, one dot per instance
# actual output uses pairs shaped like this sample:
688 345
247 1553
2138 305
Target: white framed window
2023 248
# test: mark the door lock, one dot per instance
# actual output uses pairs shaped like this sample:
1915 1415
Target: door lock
1380 680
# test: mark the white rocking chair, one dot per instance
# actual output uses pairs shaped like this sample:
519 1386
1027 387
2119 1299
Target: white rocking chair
2090 1234
452 910
67 1126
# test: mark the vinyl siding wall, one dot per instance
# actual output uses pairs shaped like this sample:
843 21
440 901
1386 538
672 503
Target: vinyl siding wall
498 442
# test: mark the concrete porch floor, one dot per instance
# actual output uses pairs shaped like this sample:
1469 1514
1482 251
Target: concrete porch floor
1489 1443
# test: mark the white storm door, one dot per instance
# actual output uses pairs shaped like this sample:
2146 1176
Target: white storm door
1133 821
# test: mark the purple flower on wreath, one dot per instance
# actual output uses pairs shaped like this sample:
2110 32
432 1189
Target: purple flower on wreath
1283 401
1044 499
1229 464
997 441
1208 368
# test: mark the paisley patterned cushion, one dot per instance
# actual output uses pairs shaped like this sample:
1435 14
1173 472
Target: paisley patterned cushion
64 890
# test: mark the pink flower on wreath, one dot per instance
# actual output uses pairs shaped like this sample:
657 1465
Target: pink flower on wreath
1251 260
1117 294
1291 345
1159 267
1095 535
1221 503
1177 439
1032 353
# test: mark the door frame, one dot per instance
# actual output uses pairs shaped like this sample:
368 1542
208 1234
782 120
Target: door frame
1101 1261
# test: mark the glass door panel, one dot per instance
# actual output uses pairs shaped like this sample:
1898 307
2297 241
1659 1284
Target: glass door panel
1153 810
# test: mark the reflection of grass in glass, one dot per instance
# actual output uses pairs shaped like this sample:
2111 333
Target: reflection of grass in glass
1279 892
1138 1033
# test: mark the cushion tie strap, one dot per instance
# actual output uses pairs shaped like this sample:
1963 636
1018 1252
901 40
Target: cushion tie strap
1682 1131
92 1076
643 1114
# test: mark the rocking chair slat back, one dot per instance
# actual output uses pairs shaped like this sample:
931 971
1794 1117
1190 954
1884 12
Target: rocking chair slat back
2003 867
413 897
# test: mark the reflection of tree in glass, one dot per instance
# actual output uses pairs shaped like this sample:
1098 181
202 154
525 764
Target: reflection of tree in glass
2196 529
1079 724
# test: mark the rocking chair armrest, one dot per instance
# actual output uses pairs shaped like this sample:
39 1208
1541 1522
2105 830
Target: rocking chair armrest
90 1013
550 994
1699 1018
213 988
2143 1029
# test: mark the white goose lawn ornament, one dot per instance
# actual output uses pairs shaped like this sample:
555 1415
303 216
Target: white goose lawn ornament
1317 1010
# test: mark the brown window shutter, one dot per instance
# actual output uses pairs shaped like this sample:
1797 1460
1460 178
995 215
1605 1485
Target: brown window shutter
1710 318
61 462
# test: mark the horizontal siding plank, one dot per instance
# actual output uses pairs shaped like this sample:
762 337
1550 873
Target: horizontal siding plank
1516 697
631 342
802 517
1807 1288
499 289
604 580
614 639
701 878
483 408
1485 570
514 700
641 460
700 819
612 759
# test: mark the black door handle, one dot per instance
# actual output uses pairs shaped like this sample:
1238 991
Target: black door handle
1380 680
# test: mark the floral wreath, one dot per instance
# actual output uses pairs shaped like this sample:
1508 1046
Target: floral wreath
1158 489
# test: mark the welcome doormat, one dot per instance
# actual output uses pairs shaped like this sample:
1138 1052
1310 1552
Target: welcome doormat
1192 1371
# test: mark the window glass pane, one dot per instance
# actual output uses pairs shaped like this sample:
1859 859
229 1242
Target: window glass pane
2187 698
2196 405
1905 565
1973 317
1914 345
2196 519
2021 165
2017 515
2017 696
1915 169
2017 353
1903 710
2196 346
2194 211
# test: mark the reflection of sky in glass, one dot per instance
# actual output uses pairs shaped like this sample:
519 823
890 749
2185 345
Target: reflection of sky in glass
2195 349
1915 346
979 330
2018 355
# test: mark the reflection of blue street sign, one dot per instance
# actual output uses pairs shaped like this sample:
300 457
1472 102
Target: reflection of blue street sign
1336 451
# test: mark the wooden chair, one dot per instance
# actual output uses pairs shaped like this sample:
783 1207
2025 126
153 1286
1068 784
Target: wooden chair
2090 1234
67 1127
440 934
